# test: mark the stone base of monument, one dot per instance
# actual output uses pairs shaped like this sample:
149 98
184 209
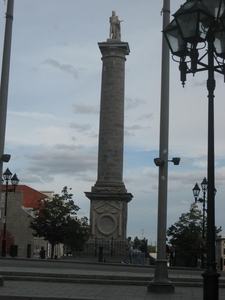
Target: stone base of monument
161 287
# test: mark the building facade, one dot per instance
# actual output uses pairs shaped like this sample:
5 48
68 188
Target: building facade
20 241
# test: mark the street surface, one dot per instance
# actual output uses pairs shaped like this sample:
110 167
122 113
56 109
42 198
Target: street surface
32 279
106 267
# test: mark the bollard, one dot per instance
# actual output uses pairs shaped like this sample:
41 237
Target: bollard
100 257
28 250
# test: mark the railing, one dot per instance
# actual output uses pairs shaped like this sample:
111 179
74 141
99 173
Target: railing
110 246
97 248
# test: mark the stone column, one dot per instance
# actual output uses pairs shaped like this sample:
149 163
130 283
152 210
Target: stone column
109 197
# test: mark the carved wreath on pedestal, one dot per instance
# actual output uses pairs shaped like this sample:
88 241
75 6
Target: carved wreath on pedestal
107 222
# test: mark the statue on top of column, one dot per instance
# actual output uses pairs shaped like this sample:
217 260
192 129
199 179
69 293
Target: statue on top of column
114 32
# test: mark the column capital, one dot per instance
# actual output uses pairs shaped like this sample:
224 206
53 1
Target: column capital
114 46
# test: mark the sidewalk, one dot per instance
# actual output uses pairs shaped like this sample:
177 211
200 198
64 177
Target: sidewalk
115 285
36 291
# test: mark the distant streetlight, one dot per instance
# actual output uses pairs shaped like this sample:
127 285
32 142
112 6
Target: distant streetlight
196 191
7 175
197 37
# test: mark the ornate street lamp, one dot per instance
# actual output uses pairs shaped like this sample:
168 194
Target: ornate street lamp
200 26
7 175
196 191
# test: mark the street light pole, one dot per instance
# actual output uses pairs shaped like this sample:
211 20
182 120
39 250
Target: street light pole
210 275
202 22
160 282
5 214
7 175
5 76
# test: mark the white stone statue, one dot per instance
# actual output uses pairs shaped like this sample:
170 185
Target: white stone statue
114 32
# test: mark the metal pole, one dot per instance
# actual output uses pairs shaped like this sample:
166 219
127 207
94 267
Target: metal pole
5 77
203 226
160 281
210 275
5 215
5 83
203 232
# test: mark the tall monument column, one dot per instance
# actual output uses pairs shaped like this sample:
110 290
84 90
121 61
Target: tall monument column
109 197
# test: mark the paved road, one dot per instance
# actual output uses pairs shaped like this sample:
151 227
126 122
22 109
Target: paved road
67 265
28 289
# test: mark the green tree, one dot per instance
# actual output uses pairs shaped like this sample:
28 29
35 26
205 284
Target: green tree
136 242
77 233
186 235
55 220
151 249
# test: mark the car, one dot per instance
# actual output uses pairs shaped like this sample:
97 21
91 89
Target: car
151 259
136 251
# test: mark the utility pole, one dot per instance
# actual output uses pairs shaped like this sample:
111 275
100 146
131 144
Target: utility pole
160 282
5 84
5 77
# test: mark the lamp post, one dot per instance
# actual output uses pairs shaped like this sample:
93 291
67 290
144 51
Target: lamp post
7 175
5 76
161 282
198 25
196 191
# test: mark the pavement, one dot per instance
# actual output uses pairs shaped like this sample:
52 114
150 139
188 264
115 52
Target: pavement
55 284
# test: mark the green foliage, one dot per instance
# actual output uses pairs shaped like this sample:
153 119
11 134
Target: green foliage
151 249
55 221
186 235
136 242
77 234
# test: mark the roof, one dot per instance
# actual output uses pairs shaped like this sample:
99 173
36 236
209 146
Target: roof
30 196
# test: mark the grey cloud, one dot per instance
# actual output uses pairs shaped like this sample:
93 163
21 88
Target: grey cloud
29 178
69 147
127 133
80 127
47 164
66 68
134 127
146 117
133 103
84 109
129 130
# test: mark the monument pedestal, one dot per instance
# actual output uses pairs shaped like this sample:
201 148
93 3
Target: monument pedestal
108 214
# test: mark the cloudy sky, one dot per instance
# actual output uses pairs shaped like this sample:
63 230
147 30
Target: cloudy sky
54 98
